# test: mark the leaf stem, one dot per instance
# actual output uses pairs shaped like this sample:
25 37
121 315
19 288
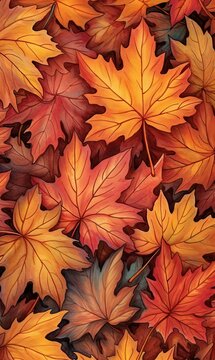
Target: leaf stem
143 267
206 10
50 14
147 149
145 342
74 230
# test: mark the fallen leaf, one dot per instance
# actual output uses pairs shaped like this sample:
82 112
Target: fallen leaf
182 8
4 136
89 196
27 339
91 302
162 30
140 194
63 104
134 10
34 253
64 10
190 239
19 312
200 54
20 45
131 102
126 349
193 159
107 35
180 306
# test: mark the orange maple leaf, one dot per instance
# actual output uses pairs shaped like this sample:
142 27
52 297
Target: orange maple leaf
89 196
193 160
178 229
178 300
20 45
91 301
134 10
65 10
27 339
34 253
138 94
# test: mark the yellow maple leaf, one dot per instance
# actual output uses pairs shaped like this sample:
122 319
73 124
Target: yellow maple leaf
65 10
138 93
190 239
199 52
34 253
135 9
19 46
27 339
166 356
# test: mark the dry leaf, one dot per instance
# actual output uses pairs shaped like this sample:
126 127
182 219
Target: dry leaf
134 96
27 339
91 301
178 300
19 46
34 253
190 239
89 196
200 54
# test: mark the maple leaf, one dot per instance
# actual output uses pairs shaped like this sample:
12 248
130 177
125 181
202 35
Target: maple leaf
4 136
180 8
178 229
166 356
140 192
27 339
34 253
107 35
91 301
19 46
134 10
193 158
134 96
63 103
205 198
89 196
200 54
178 300
64 10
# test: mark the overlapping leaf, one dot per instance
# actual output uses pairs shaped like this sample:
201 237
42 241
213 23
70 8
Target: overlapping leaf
91 301
28 338
190 239
19 46
138 93
89 196
34 253
178 300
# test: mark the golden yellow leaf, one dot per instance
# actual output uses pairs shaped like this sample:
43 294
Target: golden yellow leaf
135 9
126 349
27 339
190 239
34 253
65 10
138 93
199 52
19 46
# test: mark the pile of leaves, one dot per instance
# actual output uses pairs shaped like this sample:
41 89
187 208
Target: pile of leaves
107 170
